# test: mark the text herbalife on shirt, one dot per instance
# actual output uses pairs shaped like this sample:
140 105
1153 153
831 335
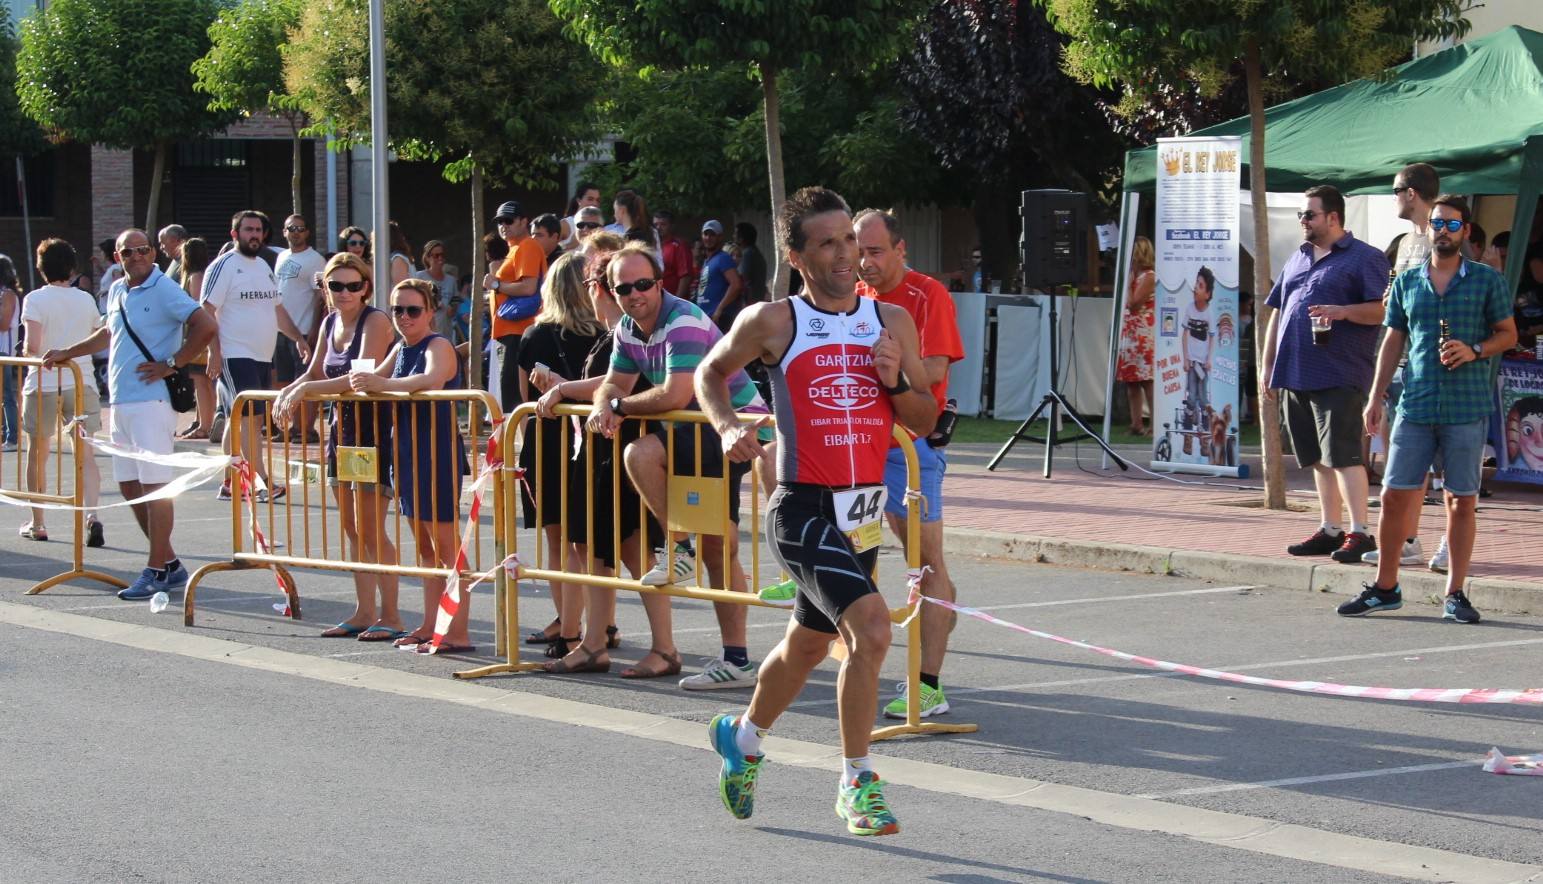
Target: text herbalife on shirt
245 293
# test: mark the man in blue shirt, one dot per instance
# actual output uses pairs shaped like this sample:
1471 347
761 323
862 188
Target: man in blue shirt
1336 282
171 327
718 290
1455 314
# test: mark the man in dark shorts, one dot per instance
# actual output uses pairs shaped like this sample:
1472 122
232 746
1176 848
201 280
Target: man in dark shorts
840 368
1318 352
665 338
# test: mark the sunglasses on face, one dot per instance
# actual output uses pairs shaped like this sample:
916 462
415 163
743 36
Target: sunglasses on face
131 251
1450 225
504 221
296 228
1308 215
411 311
337 285
358 242
587 225
627 288
1399 190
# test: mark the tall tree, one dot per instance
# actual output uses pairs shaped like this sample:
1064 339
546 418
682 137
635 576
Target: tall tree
243 71
1142 46
489 88
119 73
983 86
771 38
20 135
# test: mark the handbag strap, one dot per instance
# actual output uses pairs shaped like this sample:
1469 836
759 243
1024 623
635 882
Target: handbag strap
124 314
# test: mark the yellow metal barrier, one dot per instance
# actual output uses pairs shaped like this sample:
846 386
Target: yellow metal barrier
298 522
14 369
706 513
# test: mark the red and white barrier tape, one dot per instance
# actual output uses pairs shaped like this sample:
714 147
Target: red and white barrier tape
201 468
1517 765
1419 695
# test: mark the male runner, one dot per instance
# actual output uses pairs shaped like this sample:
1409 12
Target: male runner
839 366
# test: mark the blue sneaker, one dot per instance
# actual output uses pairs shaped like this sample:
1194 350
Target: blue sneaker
175 581
1372 599
143 588
736 780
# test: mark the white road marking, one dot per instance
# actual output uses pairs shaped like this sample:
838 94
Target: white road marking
1117 598
1230 830
1322 778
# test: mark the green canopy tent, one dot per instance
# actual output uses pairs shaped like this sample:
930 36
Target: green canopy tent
1474 111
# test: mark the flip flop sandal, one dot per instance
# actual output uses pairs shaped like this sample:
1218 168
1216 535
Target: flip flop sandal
560 667
672 667
411 640
540 637
428 648
343 630
380 634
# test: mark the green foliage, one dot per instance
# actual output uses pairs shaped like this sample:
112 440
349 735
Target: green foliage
19 134
1141 44
117 72
699 140
490 82
244 69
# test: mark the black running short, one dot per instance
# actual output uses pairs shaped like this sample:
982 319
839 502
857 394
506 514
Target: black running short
801 528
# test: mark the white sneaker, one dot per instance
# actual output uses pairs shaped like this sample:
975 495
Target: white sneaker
1439 561
1412 554
8 447
662 575
718 674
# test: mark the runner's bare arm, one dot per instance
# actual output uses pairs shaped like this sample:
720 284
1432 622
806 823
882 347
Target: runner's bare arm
897 356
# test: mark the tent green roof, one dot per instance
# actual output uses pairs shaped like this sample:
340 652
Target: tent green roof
1468 111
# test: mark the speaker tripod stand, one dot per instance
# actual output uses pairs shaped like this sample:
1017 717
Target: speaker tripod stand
1055 404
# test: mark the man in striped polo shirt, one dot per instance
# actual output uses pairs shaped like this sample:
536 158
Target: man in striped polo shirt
664 338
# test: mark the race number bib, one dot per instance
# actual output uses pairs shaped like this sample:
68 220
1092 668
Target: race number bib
859 515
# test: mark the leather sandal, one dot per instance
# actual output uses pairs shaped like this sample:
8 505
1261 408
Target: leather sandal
671 667
540 636
559 648
589 664
612 636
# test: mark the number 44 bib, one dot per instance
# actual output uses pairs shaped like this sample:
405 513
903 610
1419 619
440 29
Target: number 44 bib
859 515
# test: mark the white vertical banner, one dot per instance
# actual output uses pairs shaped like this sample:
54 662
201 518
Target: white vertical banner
1195 410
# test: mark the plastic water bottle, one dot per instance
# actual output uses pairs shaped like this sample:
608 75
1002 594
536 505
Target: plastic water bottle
158 602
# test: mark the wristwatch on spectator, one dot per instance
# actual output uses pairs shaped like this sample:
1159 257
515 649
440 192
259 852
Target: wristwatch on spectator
615 406
171 362
1478 350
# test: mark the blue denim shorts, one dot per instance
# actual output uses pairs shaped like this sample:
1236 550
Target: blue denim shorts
932 464
1414 448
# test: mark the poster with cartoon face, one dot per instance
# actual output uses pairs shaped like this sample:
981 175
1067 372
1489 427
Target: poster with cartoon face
1520 454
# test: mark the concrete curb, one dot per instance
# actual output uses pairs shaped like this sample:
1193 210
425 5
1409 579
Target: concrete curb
1512 596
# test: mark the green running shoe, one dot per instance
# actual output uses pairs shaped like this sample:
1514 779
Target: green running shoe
779 594
736 779
933 702
863 806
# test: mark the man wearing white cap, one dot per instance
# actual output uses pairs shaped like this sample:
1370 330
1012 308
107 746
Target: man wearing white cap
719 287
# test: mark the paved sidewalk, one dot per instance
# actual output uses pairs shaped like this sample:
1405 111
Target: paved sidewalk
1092 507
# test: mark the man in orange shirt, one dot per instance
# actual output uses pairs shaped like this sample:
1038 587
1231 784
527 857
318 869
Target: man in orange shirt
885 276
514 295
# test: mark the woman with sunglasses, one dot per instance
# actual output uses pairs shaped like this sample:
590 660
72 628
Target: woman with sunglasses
351 330
355 241
428 454
449 289
585 196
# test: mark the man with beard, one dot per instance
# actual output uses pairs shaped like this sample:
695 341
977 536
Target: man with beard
241 293
1455 315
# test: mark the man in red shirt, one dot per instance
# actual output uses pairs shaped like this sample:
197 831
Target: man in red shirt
679 272
885 276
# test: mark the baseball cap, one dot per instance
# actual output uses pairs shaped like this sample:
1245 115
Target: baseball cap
714 226
510 209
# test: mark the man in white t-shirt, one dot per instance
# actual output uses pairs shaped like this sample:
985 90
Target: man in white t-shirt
56 316
242 294
1198 321
296 270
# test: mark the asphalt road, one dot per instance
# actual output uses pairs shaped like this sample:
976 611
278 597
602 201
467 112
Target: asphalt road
141 761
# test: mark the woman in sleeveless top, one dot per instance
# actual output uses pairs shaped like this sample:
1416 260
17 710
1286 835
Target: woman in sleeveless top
1137 331
428 453
588 493
354 330
552 351
10 324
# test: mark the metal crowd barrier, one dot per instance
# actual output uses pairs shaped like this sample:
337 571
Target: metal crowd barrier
59 491
301 528
697 505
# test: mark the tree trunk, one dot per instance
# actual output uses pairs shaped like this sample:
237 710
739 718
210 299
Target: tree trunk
1269 416
158 171
780 277
478 270
294 165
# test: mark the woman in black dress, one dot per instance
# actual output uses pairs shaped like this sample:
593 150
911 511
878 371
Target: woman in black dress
590 500
552 351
